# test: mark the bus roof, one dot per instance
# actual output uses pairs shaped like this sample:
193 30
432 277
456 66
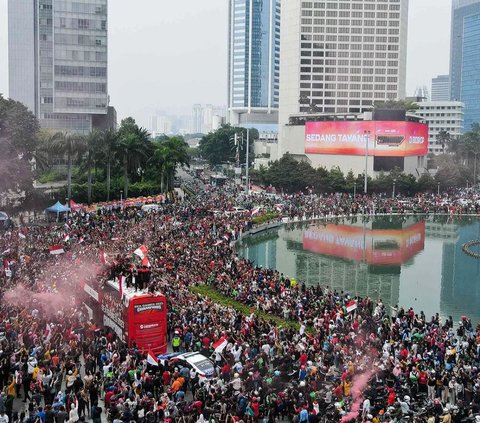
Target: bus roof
130 293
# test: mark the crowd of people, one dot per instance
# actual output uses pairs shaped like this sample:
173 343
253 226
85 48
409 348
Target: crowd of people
336 357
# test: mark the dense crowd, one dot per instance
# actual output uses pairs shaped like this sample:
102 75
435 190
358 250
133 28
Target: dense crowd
331 361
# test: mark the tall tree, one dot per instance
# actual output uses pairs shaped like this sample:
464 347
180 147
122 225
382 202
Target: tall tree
133 148
219 146
92 148
18 140
108 144
444 139
168 154
72 146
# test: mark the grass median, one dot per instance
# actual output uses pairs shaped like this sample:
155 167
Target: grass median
219 298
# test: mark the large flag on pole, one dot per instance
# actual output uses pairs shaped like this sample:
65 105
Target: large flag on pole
141 251
120 285
220 345
151 359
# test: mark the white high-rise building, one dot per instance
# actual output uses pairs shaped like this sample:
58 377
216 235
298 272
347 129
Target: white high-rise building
58 62
339 56
441 116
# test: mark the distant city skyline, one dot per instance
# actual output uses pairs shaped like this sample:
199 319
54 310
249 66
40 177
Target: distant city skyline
178 55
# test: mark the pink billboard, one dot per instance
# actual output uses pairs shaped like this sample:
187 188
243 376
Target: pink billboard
382 138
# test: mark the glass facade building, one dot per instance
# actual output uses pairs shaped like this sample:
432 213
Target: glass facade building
58 61
460 10
254 56
441 88
470 87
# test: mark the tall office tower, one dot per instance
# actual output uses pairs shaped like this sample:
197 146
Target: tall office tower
441 88
339 56
207 118
470 85
197 119
58 62
254 61
460 10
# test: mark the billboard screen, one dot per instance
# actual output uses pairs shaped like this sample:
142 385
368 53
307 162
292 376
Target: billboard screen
384 138
373 246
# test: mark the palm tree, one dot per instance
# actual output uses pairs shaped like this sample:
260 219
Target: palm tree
91 145
443 138
167 156
71 146
132 149
109 145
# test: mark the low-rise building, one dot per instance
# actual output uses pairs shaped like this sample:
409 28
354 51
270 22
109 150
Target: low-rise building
441 116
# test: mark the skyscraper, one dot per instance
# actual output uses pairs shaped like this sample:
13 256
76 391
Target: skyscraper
340 56
460 10
441 88
58 61
254 61
470 86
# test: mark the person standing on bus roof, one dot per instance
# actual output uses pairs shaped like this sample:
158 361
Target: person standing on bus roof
176 342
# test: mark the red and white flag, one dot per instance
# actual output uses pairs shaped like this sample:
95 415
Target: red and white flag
20 235
103 257
120 285
218 243
56 249
141 251
220 345
151 359
352 305
66 238
146 262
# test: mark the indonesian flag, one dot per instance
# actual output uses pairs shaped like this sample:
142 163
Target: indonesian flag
120 285
218 243
66 238
146 262
20 235
227 237
151 359
103 256
141 251
255 211
352 305
56 249
220 345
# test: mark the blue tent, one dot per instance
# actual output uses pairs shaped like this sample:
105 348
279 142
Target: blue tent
3 216
57 208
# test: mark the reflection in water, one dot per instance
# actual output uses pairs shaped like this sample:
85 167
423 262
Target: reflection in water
408 261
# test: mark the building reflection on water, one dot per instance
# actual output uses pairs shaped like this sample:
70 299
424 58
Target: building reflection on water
401 260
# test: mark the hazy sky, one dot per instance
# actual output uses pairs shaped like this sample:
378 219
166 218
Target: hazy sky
168 55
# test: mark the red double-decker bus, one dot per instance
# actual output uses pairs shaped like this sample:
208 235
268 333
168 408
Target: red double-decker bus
139 317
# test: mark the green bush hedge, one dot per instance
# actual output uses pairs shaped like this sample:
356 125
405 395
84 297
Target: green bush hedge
219 298
264 218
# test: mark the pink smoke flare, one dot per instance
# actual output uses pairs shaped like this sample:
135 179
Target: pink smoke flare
360 382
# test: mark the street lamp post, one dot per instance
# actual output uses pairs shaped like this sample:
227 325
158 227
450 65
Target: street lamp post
438 188
393 189
367 136
475 170
121 200
246 162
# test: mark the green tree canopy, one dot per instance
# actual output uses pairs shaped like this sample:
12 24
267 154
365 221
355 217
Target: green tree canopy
18 140
219 146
